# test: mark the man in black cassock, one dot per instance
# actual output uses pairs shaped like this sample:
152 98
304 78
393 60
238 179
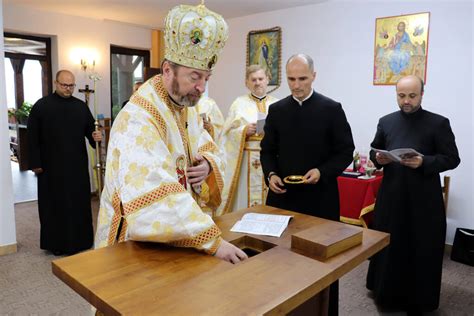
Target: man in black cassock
407 274
306 134
57 126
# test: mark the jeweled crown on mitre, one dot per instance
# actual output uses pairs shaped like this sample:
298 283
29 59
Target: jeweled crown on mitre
194 36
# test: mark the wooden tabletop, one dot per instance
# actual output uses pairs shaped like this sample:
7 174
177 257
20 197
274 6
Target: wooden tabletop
148 278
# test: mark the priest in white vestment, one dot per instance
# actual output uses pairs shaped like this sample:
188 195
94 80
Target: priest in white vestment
213 121
244 185
211 115
161 163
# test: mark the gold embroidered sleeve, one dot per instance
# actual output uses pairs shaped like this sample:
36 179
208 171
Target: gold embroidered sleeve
201 239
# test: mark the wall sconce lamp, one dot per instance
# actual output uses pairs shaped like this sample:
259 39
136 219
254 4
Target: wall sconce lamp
85 64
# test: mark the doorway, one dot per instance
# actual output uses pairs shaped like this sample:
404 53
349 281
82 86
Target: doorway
28 78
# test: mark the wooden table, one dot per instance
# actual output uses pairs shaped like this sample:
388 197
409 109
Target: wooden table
148 278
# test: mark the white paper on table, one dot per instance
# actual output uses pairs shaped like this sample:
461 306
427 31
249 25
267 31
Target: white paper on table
262 224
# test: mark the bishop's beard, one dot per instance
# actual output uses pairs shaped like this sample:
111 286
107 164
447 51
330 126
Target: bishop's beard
189 99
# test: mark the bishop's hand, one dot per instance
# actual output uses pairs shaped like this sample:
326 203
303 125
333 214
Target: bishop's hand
230 253
199 172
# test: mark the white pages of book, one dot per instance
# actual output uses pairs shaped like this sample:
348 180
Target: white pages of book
262 224
261 122
399 153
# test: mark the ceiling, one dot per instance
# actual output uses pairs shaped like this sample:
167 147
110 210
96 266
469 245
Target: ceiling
151 13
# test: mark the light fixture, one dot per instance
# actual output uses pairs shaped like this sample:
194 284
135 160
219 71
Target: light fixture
85 63
85 58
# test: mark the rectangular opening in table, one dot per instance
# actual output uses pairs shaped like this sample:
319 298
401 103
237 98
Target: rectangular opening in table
252 246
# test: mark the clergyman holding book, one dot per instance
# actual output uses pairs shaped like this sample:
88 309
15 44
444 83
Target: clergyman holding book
406 275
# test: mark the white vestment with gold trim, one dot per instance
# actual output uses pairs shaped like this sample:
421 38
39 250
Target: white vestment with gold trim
144 196
209 107
243 177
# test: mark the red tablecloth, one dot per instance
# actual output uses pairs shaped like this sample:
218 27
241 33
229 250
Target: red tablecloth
357 199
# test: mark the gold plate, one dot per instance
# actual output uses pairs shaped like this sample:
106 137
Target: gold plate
294 180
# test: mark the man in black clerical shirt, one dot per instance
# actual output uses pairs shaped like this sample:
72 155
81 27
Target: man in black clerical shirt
57 127
306 134
406 275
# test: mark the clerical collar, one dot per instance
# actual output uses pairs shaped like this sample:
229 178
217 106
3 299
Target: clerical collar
64 98
301 102
257 98
413 115
177 106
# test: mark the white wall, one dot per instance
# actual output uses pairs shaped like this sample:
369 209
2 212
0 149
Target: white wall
7 215
339 35
70 33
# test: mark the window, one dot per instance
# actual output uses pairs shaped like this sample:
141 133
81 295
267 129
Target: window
28 77
32 85
27 68
126 68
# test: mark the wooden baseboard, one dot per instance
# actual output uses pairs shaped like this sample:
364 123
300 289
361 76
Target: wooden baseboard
7 249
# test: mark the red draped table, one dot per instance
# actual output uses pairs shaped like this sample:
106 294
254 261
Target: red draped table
357 199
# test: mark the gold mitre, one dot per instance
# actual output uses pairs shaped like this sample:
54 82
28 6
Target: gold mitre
194 36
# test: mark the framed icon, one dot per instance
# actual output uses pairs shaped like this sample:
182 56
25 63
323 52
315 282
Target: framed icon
264 49
401 47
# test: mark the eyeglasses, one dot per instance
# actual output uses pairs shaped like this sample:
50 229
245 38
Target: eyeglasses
67 86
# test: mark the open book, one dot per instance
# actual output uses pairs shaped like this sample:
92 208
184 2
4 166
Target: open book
399 153
262 224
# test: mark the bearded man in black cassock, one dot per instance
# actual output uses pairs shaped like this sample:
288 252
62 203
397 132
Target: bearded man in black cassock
306 134
407 274
57 127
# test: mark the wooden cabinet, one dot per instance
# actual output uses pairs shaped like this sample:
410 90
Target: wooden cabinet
19 144
23 147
